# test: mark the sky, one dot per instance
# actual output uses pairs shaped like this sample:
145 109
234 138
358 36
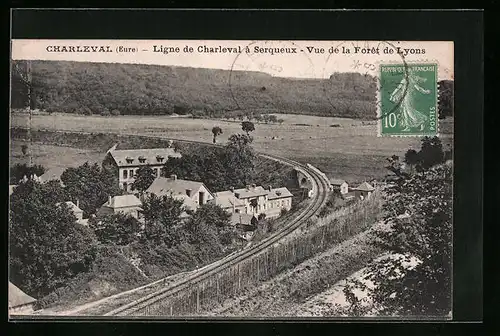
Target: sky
311 59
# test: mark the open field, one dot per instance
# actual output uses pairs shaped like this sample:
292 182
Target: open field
351 151
51 156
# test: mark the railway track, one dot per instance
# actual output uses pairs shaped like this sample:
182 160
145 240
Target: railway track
320 187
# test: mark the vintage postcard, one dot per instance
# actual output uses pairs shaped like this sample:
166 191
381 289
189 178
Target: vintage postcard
231 179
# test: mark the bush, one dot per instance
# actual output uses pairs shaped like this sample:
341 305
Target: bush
105 112
86 111
115 112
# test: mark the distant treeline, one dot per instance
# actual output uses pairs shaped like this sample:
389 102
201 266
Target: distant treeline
134 89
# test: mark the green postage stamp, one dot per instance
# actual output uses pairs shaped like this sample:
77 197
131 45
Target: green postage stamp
408 100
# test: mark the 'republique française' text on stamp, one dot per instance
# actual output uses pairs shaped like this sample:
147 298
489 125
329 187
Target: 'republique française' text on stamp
408 99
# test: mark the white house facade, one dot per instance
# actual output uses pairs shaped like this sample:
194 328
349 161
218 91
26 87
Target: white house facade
128 162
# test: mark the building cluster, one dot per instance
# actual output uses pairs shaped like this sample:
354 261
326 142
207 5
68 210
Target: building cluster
362 191
246 205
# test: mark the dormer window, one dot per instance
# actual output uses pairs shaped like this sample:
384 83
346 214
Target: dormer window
160 158
129 159
142 159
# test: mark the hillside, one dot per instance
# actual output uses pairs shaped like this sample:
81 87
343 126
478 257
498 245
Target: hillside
97 88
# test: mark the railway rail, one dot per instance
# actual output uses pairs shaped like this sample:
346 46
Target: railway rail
320 187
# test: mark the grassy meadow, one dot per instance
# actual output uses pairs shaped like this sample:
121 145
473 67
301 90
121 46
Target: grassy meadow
51 156
350 149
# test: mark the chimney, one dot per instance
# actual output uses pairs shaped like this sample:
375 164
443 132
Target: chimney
253 186
232 189
173 177
77 203
269 188
248 187
109 199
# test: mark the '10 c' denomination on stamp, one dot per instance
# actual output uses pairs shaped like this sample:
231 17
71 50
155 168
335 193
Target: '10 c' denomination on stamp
408 100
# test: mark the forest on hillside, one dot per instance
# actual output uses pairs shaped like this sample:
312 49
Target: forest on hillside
136 89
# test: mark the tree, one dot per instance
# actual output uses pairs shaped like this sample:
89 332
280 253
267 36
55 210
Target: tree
18 171
47 247
91 185
419 212
411 158
395 166
210 220
115 112
273 118
24 149
247 127
143 179
431 153
240 159
105 112
86 111
118 228
216 131
162 216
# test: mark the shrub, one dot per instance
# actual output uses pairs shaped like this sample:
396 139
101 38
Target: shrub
86 111
105 112
115 112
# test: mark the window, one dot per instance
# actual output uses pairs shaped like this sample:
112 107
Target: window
125 174
202 197
131 173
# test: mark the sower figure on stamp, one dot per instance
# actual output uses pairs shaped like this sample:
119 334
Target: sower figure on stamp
410 117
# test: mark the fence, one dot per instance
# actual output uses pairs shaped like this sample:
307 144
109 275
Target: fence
211 292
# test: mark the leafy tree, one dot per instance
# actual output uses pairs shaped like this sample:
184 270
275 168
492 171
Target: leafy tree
431 153
19 170
273 118
46 246
105 112
115 112
419 212
411 158
162 217
395 166
210 221
143 179
241 158
24 149
247 127
86 111
90 184
216 131
118 228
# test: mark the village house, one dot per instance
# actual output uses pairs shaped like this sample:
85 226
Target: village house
193 193
128 162
75 209
20 303
128 204
52 174
364 190
229 202
339 185
256 200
